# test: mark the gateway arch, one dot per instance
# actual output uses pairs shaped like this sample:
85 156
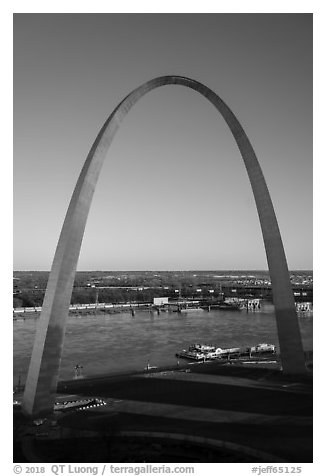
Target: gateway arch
42 378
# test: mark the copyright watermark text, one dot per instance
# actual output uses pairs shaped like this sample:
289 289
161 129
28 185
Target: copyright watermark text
66 469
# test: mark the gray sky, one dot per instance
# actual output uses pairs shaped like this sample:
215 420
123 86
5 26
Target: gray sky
173 193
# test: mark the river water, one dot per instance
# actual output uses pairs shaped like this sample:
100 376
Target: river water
105 343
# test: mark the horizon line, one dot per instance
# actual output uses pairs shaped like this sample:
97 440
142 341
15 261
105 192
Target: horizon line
155 270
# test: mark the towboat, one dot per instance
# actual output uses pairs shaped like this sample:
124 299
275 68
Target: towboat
204 352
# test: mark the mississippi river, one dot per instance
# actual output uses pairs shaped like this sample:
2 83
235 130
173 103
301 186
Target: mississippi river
119 342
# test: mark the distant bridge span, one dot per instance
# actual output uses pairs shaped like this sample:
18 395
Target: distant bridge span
43 371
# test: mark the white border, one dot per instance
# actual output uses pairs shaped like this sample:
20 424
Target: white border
7 10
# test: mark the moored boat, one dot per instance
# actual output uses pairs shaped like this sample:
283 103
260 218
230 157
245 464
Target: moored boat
203 352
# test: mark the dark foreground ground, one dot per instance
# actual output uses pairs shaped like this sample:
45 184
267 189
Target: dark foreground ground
200 413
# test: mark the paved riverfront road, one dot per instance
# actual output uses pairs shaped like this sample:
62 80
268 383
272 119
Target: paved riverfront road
254 409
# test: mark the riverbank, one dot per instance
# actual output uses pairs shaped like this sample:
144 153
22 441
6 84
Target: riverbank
213 413
86 311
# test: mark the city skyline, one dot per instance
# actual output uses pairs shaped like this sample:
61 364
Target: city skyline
173 193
